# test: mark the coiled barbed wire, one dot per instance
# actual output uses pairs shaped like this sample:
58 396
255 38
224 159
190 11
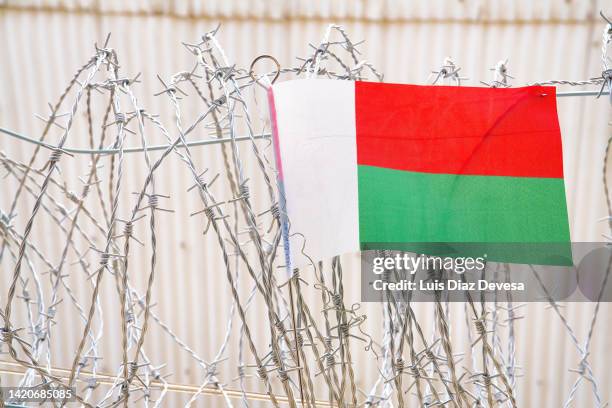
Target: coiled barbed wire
327 340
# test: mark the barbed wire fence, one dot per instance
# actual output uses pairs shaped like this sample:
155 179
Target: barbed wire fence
309 357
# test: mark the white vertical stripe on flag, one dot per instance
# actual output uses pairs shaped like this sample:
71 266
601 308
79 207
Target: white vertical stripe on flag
315 122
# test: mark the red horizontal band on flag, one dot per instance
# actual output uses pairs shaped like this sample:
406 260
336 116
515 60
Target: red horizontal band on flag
459 130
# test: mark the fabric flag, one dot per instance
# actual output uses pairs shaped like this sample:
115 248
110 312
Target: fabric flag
366 165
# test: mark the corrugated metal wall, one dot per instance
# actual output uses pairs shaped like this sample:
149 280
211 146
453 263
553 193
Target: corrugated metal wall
371 10
43 42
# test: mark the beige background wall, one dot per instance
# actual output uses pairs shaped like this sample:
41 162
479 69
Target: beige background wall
43 42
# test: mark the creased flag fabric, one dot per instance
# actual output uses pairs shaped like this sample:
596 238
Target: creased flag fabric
365 165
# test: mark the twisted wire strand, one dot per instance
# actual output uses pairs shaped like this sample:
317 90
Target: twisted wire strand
329 334
53 160
204 195
47 128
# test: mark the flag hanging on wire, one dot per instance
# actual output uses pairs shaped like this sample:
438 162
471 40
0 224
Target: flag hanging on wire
366 165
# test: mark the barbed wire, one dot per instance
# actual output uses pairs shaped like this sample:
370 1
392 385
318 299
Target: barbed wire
307 352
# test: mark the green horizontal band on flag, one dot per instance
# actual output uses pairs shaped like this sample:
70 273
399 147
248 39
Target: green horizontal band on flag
400 208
